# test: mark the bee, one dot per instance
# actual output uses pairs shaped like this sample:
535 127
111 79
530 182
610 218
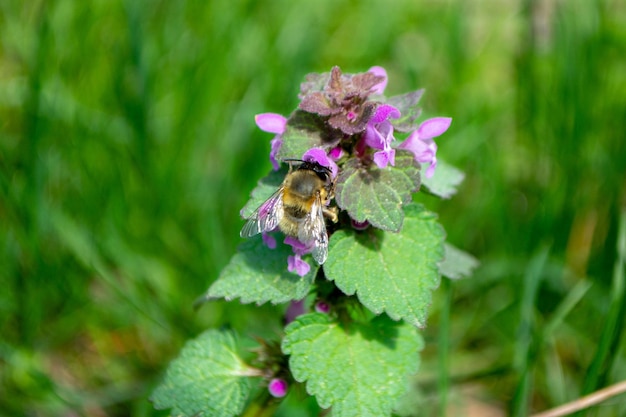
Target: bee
299 208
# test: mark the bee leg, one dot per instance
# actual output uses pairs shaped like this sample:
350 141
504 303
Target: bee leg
331 213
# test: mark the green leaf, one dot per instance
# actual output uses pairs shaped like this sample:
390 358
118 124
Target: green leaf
305 131
414 399
207 379
377 195
457 263
264 190
407 104
314 82
358 369
445 181
259 274
390 272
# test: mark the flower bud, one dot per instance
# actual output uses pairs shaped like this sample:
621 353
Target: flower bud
360 225
278 387
322 307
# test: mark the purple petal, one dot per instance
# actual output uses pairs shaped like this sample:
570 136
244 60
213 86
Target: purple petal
269 240
385 157
297 265
386 130
431 169
336 153
391 156
275 145
383 112
295 309
271 122
373 138
433 127
319 155
381 72
278 387
299 248
424 151
430 153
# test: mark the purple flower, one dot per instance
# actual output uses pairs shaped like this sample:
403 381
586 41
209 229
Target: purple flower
322 307
295 309
297 246
359 225
275 145
336 153
319 155
379 135
383 113
272 123
278 387
380 72
295 263
421 142
269 240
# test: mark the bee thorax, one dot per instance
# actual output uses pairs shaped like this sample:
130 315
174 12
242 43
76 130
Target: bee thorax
304 185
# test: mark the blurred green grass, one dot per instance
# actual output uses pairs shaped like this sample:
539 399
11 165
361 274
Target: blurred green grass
128 147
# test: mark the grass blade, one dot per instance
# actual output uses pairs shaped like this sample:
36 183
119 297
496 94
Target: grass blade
443 352
524 352
602 362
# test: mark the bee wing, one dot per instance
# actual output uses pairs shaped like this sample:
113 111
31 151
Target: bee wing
266 217
314 230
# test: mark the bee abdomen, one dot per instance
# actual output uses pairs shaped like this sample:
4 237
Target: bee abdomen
289 227
296 211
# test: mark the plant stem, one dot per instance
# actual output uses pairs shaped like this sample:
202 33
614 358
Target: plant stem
585 402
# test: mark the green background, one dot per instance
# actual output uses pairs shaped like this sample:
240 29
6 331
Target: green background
128 147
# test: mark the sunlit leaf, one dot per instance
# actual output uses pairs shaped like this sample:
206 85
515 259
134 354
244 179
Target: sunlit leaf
207 379
457 263
408 106
370 193
258 274
358 369
390 272
445 182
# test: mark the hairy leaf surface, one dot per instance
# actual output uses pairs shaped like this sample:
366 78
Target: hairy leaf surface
358 369
207 379
258 274
408 106
370 193
390 272
305 131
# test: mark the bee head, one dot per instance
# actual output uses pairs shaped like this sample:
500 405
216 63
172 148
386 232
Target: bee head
322 172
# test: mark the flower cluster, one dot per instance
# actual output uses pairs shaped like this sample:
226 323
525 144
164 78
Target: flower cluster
346 117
